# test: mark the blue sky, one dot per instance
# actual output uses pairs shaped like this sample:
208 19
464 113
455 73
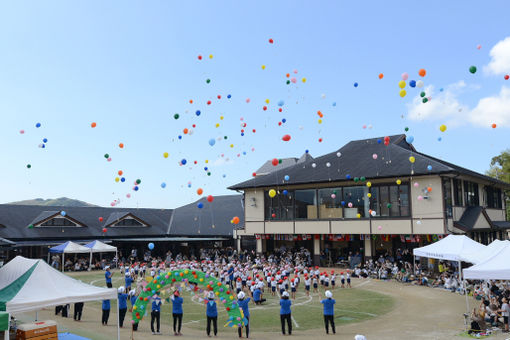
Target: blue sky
130 66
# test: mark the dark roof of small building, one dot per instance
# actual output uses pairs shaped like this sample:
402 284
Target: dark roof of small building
503 225
212 219
469 217
5 242
355 160
268 166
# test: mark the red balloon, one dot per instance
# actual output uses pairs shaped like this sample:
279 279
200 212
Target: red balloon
275 161
208 102
105 230
199 57
100 219
507 77
264 108
286 138
320 140
254 174
210 198
271 41
219 97
280 109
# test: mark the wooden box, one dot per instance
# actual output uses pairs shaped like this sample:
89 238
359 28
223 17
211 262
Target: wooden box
42 330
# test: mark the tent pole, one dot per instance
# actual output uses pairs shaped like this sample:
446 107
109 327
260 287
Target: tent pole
90 261
118 319
49 258
117 257
62 262
6 332
414 265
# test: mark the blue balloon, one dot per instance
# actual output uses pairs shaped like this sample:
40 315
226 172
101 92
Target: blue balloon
355 84
334 104
151 246
200 205
229 96
206 168
163 185
244 152
348 176
183 161
45 140
189 185
412 83
122 179
441 89
286 177
198 113
284 120
342 203
224 175
43 146
281 103
212 141
38 125
63 213
379 141
242 134
439 139
306 151
410 139
180 137
285 192
135 188
429 167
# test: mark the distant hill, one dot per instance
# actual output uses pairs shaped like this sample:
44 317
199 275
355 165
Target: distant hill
56 202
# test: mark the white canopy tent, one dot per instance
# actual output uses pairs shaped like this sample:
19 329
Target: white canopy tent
31 284
452 248
496 267
68 248
488 252
99 247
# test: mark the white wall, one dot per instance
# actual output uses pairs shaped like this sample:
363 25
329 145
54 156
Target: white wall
431 207
350 227
254 205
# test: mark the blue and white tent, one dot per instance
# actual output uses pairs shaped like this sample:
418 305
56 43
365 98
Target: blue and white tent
68 248
99 247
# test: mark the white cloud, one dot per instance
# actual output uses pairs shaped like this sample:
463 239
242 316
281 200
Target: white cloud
500 58
446 108
495 109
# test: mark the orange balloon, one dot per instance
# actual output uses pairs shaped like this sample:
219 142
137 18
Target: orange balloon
121 145
287 75
381 76
422 72
200 191
235 220
185 131
93 125
120 172
429 189
191 101
494 125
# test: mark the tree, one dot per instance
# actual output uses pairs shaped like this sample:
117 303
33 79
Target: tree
500 169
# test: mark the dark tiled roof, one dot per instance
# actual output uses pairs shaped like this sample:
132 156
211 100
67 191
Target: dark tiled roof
468 219
504 225
213 219
44 215
355 159
5 242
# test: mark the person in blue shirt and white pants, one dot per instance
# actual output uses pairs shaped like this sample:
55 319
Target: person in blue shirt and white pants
155 314
329 311
212 314
285 313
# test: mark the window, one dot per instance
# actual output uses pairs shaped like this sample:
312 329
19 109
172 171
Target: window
305 204
471 196
330 203
390 200
128 222
58 222
279 207
457 193
355 201
493 198
447 192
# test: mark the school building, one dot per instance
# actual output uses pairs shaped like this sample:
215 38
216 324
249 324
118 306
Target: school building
371 196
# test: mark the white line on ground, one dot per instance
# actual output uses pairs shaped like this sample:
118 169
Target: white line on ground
294 321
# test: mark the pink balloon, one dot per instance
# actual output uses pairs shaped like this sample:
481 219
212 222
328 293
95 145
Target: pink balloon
109 159
420 198
295 71
379 227
128 195
112 204
349 205
374 156
405 76
294 80
416 184
479 46
22 131
247 100
333 196
364 126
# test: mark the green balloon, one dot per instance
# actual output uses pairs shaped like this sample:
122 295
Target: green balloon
106 155
208 81
208 174
30 226
388 205
425 100
225 137
138 181
406 129
363 179
356 179
472 69
288 82
422 94
29 166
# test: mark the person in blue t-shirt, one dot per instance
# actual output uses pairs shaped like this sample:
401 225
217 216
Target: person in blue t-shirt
108 277
329 311
122 305
243 302
231 275
106 312
155 314
212 314
285 313
128 280
257 296
177 312
132 298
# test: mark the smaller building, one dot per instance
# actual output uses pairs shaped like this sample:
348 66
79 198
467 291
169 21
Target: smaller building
372 196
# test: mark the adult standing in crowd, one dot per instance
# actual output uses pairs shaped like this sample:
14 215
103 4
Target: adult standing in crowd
212 314
285 312
329 311
78 309
177 312
155 314
243 304
122 301
108 277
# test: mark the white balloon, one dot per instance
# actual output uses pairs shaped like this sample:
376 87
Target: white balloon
314 165
419 83
328 164
373 213
338 154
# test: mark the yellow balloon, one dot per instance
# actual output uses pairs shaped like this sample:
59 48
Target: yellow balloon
201 280
135 307
217 293
217 125
231 297
358 215
210 56
206 161
402 84
369 195
221 117
165 154
320 121
412 159
303 80
442 128
263 67
117 179
231 145
399 182
369 184
272 193
267 101
402 93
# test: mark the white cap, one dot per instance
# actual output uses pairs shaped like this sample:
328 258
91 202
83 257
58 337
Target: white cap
107 267
211 295
286 294
121 289
127 273
132 292
240 296
360 337
328 294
